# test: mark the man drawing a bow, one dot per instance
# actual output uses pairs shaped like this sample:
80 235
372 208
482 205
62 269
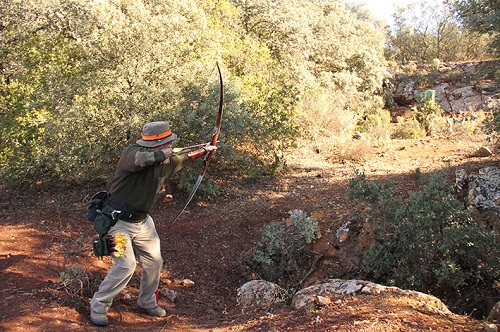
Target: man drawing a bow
139 176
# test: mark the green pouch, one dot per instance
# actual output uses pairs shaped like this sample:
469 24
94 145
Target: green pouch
100 246
105 219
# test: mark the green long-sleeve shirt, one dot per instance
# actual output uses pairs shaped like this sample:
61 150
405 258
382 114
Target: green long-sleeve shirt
140 174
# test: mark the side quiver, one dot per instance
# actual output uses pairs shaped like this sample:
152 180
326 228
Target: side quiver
104 217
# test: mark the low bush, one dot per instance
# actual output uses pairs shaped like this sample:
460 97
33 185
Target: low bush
429 115
407 129
428 242
75 286
283 249
491 125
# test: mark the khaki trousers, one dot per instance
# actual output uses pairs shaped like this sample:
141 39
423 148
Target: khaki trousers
143 245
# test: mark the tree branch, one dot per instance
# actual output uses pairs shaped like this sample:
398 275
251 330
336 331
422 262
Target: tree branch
23 37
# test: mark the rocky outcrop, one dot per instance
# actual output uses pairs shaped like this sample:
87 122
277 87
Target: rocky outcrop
332 287
482 190
458 87
260 294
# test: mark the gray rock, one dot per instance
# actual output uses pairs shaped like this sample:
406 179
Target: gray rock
484 189
495 312
259 294
490 328
329 288
469 96
170 294
490 87
461 179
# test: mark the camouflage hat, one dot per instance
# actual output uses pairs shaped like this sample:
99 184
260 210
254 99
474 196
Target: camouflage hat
156 134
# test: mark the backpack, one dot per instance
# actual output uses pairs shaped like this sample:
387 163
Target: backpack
96 204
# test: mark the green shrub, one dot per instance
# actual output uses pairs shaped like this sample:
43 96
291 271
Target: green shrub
429 115
422 81
410 68
429 243
377 127
435 64
75 286
360 188
491 125
378 118
283 248
408 129
69 107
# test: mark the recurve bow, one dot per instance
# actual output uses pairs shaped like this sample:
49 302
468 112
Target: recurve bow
208 156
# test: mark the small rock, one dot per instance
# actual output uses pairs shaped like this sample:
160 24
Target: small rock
170 294
343 232
343 235
323 246
166 281
490 328
186 283
461 178
127 298
484 152
323 300
495 312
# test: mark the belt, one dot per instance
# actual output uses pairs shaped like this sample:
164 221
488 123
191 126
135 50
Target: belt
133 217
125 213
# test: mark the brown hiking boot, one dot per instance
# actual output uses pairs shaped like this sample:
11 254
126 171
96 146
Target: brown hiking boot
98 319
156 311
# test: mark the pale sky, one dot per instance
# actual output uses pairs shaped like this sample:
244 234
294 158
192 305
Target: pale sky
383 9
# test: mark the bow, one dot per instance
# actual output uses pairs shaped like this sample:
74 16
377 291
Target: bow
208 156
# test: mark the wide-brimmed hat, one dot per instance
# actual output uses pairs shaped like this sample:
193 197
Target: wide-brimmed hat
156 134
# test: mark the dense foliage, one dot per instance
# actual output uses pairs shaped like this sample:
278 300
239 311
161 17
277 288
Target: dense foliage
80 78
492 125
425 31
482 16
428 242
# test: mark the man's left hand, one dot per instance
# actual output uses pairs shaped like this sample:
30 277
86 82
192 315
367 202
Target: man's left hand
210 148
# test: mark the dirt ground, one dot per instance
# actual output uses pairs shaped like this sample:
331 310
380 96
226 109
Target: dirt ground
43 233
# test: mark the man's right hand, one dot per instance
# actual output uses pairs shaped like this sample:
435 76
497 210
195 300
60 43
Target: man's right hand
167 151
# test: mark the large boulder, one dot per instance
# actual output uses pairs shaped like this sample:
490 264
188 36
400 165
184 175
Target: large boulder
330 288
259 294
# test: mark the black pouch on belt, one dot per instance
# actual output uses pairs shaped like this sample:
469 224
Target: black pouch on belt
100 246
105 219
